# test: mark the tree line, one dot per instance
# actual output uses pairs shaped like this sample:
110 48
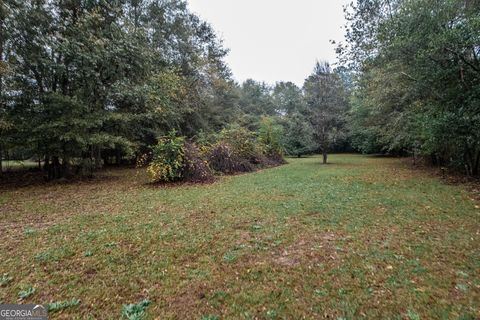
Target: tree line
416 72
88 83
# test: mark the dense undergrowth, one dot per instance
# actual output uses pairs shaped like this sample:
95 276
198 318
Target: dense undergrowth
233 150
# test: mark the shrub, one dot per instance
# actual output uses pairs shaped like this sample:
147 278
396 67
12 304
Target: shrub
195 168
223 158
243 143
175 159
236 150
270 140
205 139
168 159
241 150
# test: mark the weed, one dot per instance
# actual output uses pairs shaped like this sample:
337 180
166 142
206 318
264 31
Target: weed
60 305
412 315
30 231
135 311
230 256
27 292
5 279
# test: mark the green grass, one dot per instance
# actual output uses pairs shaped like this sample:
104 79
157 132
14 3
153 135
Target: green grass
363 237
16 165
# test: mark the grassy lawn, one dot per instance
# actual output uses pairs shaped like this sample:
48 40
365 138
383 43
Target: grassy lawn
14 165
363 237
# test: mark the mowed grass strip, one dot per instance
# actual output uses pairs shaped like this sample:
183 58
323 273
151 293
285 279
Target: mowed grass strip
363 237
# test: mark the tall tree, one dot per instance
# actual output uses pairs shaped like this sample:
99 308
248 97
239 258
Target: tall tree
418 73
288 98
255 98
96 79
327 104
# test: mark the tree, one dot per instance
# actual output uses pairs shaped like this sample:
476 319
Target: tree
326 101
4 10
418 72
298 137
255 99
288 98
91 80
270 137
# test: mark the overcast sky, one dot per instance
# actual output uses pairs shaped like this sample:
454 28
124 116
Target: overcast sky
274 40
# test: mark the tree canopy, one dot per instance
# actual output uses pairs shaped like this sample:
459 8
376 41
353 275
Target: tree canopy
417 79
84 83
86 80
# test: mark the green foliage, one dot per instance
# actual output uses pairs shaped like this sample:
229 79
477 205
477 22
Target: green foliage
205 139
298 139
168 159
243 143
176 159
106 79
326 99
27 292
255 99
5 279
418 79
270 138
135 311
236 150
61 305
241 150
288 98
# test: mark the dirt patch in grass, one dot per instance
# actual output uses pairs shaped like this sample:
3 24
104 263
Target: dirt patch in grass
307 250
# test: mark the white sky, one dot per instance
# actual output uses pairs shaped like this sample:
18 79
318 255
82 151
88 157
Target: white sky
275 40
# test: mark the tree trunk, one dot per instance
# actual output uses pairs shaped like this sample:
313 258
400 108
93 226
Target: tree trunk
2 39
1 158
54 169
98 158
469 162
46 163
65 168
325 157
118 157
476 165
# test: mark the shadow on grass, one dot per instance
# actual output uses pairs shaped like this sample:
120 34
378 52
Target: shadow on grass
35 178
